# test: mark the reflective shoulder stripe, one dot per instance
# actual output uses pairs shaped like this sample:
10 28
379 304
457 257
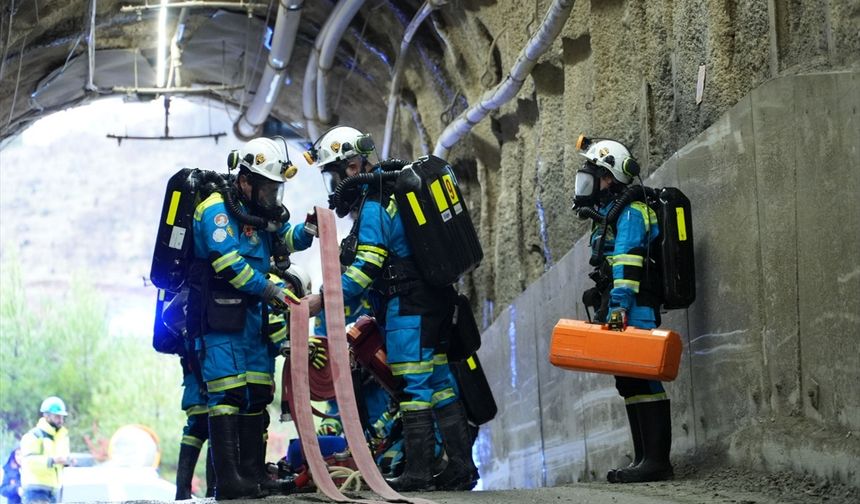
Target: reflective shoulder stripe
391 209
648 215
213 199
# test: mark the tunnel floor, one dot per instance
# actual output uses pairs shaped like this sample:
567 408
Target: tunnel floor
706 483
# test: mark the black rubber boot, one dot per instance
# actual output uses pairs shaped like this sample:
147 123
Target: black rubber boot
633 420
252 455
460 473
210 473
655 423
224 440
419 443
185 470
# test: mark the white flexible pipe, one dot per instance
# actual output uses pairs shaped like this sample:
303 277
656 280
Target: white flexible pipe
549 29
394 93
309 97
283 42
347 9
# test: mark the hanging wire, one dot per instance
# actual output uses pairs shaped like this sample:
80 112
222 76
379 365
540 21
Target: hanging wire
17 83
354 59
487 78
245 82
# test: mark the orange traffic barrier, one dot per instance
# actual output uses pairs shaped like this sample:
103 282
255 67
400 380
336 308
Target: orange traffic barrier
652 354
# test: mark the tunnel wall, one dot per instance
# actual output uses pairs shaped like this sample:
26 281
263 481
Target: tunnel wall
771 356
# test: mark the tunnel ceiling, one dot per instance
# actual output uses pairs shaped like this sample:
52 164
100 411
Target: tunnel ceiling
46 55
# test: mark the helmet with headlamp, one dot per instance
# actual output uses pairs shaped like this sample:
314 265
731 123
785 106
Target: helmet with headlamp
602 158
266 164
334 149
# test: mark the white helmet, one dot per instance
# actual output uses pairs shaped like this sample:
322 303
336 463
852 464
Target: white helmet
611 155
298 280
54 405
337 144
268 157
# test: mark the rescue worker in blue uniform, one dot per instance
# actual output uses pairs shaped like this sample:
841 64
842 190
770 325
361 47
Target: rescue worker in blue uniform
196 430
627 293
234 234
416 317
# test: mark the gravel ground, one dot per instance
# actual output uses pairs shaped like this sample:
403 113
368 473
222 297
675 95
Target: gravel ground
708 482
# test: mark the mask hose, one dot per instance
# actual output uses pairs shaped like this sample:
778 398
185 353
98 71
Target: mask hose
361 178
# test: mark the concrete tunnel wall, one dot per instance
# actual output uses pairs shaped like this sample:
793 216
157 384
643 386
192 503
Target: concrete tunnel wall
771 364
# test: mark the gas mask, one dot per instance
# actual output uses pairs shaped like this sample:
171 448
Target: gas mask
587 191
266 196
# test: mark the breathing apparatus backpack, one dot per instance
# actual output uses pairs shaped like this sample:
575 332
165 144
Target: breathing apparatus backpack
437 222
438 227
673 249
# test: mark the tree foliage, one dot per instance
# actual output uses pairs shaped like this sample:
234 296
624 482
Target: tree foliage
62 346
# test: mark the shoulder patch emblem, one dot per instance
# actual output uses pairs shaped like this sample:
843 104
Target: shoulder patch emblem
260 159
335 146
219 235
221 220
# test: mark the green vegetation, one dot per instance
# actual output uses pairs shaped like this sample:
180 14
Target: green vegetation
61 346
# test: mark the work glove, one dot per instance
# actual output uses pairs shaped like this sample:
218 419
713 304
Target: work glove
330 427
316 353
278 297
617 319
311 226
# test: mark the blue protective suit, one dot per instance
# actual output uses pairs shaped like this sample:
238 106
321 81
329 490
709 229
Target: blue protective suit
625 248
235 364
413 320
196 430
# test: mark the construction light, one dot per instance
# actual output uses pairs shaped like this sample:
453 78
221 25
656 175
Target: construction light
160 71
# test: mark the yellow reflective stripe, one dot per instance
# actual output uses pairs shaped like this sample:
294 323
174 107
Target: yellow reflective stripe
358 276
416 208
174 205
276 279
289 237
197 409
473 365
622 282
403 368
228 259
256 413
439 196
414 405
370 248
223 409
626 260
213 199
365 303
645 398
391 209
243 277
440 359
648 215
259 378
371 258
192 441
442 395
682 223
276 319
226 383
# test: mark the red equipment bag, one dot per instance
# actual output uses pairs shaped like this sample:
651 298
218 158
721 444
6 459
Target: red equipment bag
651 354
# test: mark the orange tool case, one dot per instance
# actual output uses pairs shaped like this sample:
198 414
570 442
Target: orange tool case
652 354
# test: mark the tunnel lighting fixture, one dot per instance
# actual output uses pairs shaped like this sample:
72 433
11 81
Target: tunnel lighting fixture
160 71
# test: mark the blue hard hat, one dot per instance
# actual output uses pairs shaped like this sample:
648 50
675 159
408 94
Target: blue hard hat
54 405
